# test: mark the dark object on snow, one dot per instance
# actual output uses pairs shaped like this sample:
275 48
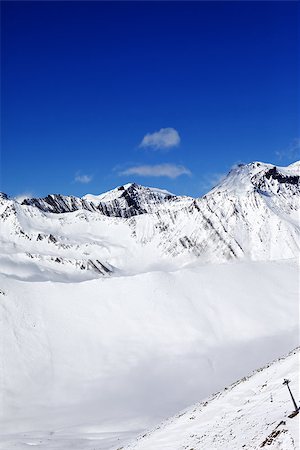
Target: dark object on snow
295 412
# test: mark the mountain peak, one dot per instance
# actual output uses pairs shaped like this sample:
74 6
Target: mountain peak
3 196
295 166
128 187
130 199
246 178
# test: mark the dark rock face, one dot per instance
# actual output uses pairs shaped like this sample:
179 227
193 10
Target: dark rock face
291 179
56 203
133 201
277 181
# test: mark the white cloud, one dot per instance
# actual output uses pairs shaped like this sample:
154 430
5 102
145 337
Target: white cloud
291 153
23 196
211 180
83 178
165 138
158 170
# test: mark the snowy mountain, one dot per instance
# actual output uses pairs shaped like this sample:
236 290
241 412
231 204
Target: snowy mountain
119 309
252 413
253 214
124 201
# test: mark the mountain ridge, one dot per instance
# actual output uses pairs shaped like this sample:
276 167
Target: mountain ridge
289 174
252 214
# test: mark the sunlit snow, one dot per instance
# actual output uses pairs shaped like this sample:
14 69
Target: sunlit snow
121 309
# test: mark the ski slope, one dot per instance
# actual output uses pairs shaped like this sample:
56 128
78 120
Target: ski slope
121 353
252 413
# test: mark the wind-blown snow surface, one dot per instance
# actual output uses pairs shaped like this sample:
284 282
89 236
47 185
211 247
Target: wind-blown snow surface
114 313
122 353
251 414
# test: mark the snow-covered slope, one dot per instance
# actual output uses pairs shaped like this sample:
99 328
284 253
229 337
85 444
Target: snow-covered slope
252 413
121 353
113 314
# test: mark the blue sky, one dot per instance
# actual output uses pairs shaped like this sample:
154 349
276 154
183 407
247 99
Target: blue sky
167 94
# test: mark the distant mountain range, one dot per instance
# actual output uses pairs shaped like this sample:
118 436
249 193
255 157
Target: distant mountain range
252 214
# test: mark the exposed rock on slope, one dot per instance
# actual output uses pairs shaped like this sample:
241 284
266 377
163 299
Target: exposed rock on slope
124 201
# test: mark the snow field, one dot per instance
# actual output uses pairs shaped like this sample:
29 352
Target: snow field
119 354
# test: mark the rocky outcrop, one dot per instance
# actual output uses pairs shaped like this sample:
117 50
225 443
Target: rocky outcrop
123 202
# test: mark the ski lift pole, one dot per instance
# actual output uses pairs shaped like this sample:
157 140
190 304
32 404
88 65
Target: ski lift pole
293 400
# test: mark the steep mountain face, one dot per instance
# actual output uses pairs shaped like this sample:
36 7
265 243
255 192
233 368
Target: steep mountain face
131 200
252 413
124 201
252 214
